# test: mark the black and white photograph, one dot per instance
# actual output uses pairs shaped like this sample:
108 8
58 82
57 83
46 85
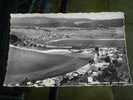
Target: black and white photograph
72 49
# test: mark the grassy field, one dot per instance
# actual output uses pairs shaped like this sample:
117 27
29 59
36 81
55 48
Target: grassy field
34 65
54 37
47 34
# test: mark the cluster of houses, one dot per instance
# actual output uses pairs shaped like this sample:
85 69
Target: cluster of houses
102 67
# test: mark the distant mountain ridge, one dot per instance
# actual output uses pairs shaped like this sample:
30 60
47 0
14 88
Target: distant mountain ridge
54 22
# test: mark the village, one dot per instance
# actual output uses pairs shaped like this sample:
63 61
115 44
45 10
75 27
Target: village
103 67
